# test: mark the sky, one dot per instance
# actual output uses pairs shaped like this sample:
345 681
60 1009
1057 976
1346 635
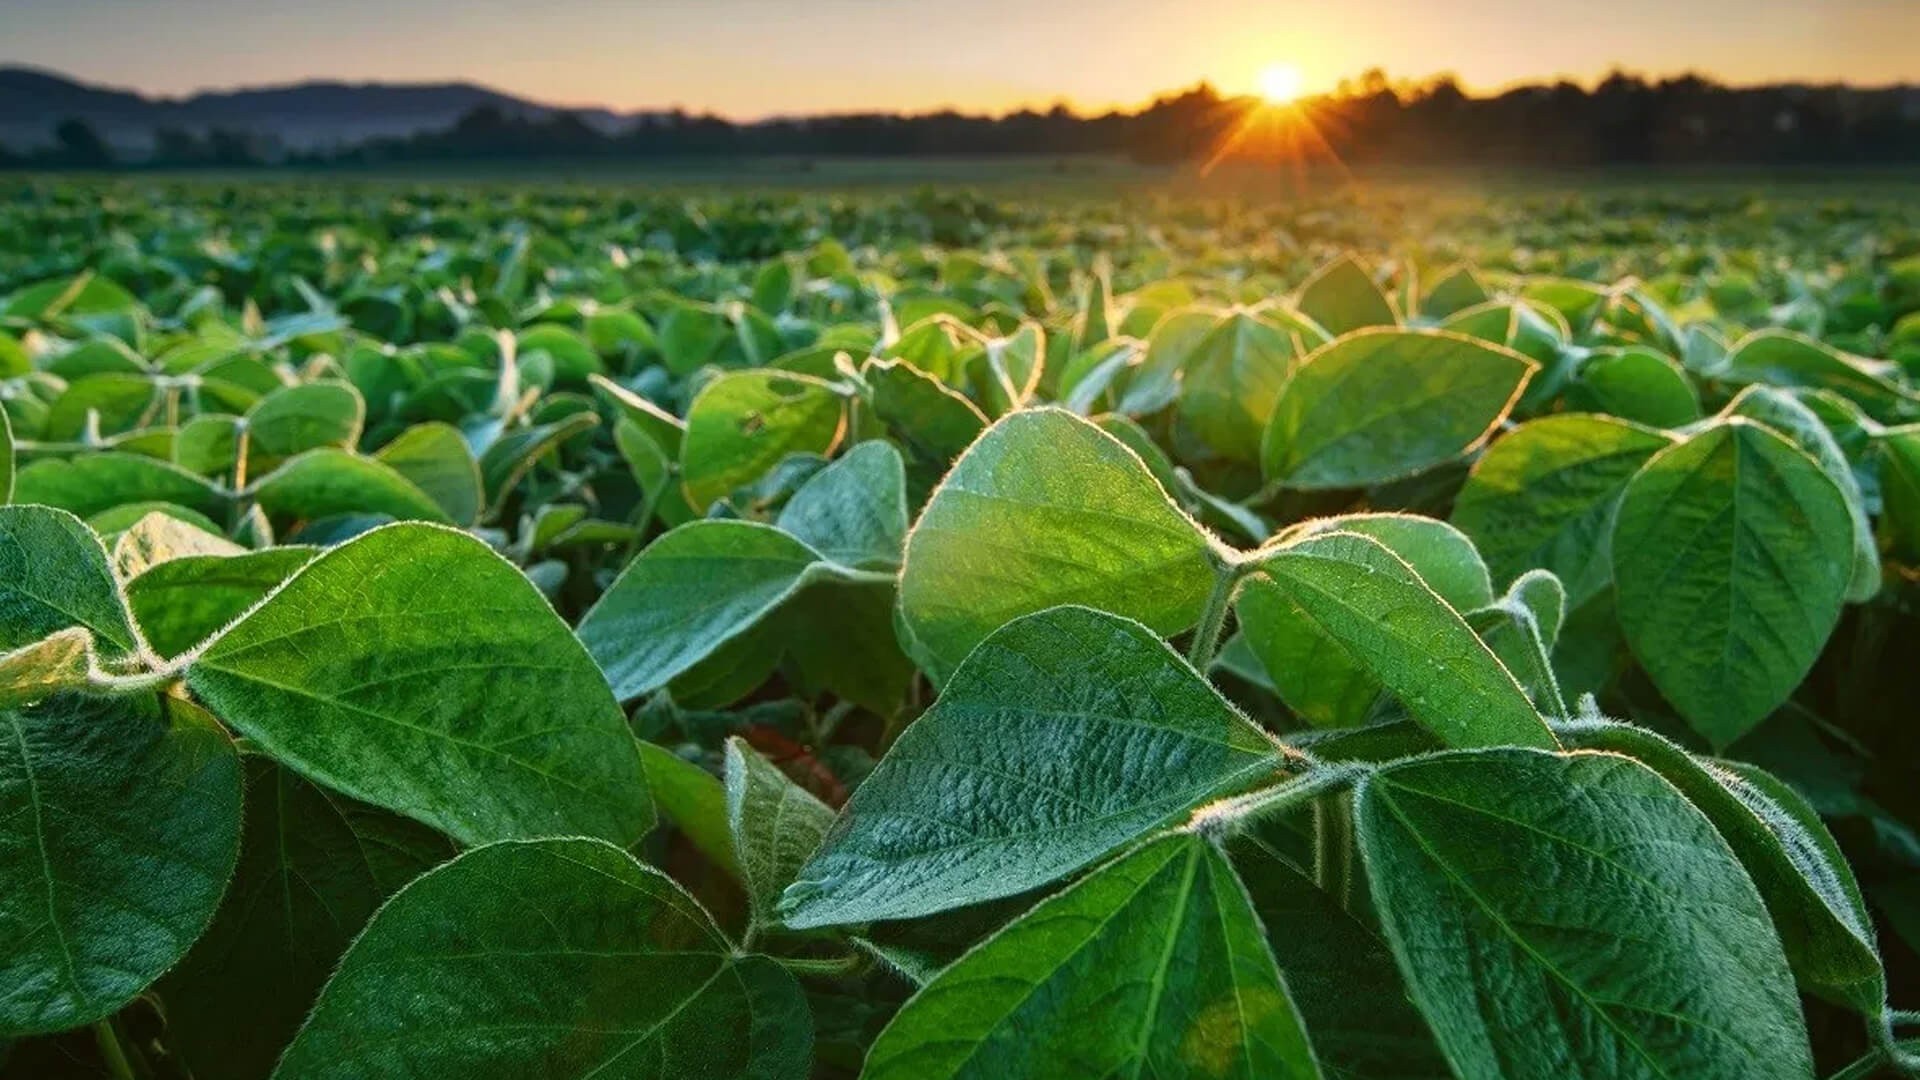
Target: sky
753 58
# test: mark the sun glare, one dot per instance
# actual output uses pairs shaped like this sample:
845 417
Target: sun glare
1281 83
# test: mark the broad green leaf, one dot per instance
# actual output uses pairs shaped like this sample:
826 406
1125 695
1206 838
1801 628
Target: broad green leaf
854 511
1379 405
744 422
1047 509
1311 670
1340 974
105 404
1342 297
1155 965
690 592
1809 890
415 669
1457 291
92 483
1371 611
435 459
776 825
314 866
1731 556
1544 495
295 419
1232 378
573 356
693 799
158 538
1636 385
1784 358
1063 737
619 974
1785 414
182 602
1440 553
328 482
1574 916
920 409
122 821
54 574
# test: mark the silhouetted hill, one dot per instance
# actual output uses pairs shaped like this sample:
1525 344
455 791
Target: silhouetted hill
305 115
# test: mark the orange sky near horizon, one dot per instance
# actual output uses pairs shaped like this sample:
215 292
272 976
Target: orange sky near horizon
753 58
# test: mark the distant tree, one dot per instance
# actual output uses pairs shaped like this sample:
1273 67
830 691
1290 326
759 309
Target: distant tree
77 145
177 146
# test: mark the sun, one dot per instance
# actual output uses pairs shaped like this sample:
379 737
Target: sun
1281 83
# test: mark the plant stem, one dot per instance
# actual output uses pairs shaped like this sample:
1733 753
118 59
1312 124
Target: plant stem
114 1054
840 966
1542 661
1333 848
1206 639
1279 798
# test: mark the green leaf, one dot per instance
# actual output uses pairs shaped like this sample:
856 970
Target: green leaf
1232 378
921 410
182 602
1574 916
1731 556
1636 385
690 592
1155 965
620 975
1340 974
120 833
776 825
1372 612
1311 671
854 511
1544 495
744 422
1808 888
573 357
314 866
1065 736
327 482
1785 414
1047 509
840 638
415 669
435 459
1342 297
96 482
1783 358
54 574
295 419
693 799
1380 405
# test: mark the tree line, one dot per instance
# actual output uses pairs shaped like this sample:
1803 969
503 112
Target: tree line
1622 120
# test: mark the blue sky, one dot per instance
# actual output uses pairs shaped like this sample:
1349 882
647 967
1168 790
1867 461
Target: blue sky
751 58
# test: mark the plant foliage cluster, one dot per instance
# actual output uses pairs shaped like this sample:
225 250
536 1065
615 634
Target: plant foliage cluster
545 633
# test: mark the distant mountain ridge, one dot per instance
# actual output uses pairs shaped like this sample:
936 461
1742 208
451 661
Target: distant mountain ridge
301 116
